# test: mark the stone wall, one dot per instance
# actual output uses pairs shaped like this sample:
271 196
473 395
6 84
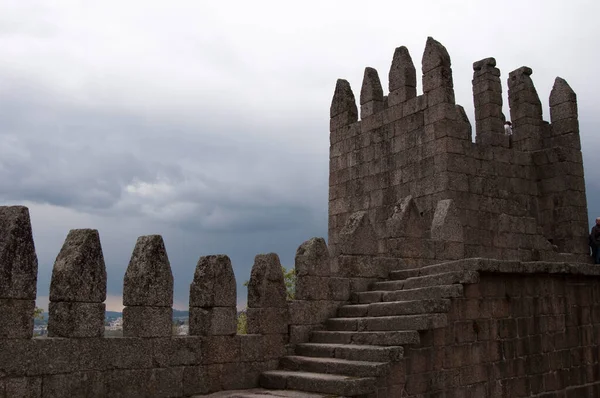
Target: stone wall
408 181
77 361
513 335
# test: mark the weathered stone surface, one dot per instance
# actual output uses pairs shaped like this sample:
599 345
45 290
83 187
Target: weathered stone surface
269 320
79 384
71 319
148 280
145 321
344 101
406 220
214 283
358 236
213 321
16 319
312 258
435 55
402 72
79 273
18 261
22 387
266 287
561 92
371 87
446 224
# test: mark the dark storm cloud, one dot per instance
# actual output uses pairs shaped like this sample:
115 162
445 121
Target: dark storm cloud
210 127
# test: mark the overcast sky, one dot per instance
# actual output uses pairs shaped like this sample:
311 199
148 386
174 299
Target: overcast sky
207 122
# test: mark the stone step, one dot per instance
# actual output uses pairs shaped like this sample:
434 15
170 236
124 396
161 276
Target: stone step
351 352
446 278
397 322
262 393
423 293
381 338
403 274
318 382
334 366
394 308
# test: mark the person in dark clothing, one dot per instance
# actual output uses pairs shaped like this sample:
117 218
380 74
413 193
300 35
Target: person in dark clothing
595 241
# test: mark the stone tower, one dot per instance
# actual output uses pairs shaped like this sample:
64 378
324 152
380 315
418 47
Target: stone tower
407 180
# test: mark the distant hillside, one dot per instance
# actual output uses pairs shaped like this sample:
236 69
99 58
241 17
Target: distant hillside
108 315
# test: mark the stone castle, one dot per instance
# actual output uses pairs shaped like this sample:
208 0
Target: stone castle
454 268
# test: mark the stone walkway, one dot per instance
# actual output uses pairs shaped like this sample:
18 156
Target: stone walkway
262 393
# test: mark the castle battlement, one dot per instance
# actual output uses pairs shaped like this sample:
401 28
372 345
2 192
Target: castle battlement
515 199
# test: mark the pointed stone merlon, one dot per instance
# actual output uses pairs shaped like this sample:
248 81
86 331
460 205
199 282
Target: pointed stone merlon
78 287
267 302
438 85
213 298
564 116
487 97
313 270
358 235
525 110
148 290
18 273
447 231
343 111
406 220
371 94
402 78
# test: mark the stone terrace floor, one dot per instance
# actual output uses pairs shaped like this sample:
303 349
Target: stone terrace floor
262 393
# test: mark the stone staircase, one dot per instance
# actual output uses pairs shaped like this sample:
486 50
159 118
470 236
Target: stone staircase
357 349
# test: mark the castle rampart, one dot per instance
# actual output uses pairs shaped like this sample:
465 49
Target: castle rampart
519 199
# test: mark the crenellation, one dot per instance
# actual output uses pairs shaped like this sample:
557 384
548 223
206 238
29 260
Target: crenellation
78 287
18 273
148 290
402 82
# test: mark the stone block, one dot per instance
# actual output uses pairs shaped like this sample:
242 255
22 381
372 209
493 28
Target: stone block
435 55
447 224
436 78
304 312
148 279
414 105
343 100
312 258
371 87
165 382
221 349
18 261
79 273
440 95
214 283
402 72
401 95
440 112
268 320
371 108
342 120
78 384
312 288
266 287
256 347
405 220
16 319
177 351
563 111
301 333
213 321
197 380
76 319
22 387
358 236
147 321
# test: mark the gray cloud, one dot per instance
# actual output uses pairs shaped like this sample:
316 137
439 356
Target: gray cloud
210 127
